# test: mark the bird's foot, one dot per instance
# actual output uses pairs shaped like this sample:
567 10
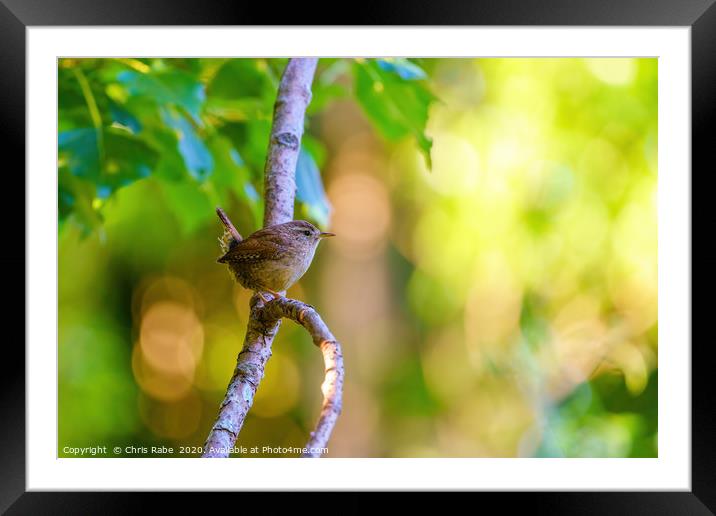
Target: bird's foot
263 297
274 294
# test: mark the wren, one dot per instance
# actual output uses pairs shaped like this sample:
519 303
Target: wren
273 258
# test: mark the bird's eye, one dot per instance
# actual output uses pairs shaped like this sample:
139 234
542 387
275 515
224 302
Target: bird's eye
307 233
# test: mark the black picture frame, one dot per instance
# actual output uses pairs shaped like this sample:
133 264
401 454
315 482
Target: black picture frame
17 15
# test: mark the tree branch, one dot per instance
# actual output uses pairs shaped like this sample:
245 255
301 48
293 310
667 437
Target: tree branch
249 371
294 94
332 387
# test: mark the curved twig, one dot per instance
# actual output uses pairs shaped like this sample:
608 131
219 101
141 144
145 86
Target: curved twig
332 387
250 367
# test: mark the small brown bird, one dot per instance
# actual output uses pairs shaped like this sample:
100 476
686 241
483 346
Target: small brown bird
274 258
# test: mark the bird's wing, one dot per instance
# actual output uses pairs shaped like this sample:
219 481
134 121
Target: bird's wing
251 250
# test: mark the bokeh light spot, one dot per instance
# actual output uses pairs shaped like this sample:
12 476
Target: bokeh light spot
171 338
158 383
362 215
617 71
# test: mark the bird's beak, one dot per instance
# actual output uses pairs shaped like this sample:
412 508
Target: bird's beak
324 235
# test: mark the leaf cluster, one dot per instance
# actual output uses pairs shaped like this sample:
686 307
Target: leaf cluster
199 128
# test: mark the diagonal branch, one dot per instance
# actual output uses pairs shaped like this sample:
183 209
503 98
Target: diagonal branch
294 94
240 393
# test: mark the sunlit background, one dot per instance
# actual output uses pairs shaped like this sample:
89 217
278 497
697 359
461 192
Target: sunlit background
496 300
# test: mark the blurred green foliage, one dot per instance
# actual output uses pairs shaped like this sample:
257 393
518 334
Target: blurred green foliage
205 123
493 282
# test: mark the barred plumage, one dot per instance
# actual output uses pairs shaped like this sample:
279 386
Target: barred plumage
274 258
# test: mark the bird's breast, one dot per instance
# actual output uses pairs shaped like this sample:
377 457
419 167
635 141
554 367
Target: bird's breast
277 274
302 264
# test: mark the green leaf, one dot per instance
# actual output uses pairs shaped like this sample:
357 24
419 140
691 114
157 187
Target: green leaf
251 140
315 148
124 118
397 107
110 157
126 159
236 110
170 165
166 87
404 68
231 175
241 78
326 87
93 165
324 95
75 197
79 150
197 157
309 189
65 201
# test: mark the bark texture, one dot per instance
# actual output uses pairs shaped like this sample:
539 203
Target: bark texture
332 387
240 393
294 95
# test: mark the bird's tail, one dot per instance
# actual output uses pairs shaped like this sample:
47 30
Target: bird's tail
227 241
222 258
230 237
